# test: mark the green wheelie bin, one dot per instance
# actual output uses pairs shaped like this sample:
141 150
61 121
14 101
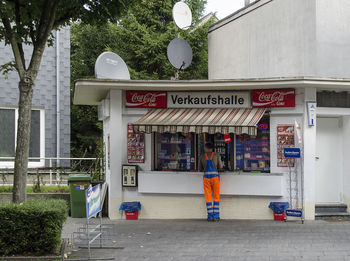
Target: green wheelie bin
78 183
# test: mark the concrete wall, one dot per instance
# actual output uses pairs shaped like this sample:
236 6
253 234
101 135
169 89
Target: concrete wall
44 96
333 37
282 38
274 40
166 205
346 157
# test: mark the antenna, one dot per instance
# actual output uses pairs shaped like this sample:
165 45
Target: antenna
179 51
109 65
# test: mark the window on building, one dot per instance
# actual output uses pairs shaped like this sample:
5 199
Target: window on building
34 146
181 152
225 150
8 133
333 99
175 151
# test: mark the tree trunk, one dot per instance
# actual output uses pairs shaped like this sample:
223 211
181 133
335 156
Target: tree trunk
26 87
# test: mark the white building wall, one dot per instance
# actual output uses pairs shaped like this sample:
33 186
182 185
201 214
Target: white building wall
346 157
117 134
309 141
272 39
333 37
282 38
172 206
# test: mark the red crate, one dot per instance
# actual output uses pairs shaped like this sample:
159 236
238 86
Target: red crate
278 216
131 215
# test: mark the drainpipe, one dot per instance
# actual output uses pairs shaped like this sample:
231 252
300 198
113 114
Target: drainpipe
58 99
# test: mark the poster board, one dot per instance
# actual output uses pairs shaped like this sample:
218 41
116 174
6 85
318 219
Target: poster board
136 146
93 200
285 139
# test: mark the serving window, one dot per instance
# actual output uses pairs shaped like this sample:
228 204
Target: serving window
181 152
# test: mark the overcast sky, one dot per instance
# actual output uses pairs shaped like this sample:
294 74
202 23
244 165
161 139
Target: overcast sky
223 8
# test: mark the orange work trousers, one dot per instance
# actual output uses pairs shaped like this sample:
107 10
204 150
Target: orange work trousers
212 189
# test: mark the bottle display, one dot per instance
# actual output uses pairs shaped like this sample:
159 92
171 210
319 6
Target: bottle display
225 150
253 153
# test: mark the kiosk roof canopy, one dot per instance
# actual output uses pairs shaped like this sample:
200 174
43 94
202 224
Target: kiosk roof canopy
92 91
239 121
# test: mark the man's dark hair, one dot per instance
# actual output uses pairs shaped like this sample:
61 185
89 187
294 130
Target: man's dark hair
209 145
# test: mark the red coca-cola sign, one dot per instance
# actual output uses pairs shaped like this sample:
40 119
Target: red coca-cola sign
274 98
145 99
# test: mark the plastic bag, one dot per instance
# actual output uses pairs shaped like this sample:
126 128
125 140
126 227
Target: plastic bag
279 207
130 206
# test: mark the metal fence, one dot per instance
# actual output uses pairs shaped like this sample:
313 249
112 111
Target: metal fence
52 171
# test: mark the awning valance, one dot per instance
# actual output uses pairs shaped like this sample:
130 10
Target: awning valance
212 121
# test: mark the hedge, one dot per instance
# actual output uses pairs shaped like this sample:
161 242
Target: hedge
32 228
43 189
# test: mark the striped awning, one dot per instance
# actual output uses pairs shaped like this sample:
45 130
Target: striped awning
212 121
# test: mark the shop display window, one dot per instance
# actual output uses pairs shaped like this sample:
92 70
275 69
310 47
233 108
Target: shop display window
180 152
253 153
175 152
226 150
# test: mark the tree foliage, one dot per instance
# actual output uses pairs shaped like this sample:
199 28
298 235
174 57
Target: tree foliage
141 38
31 22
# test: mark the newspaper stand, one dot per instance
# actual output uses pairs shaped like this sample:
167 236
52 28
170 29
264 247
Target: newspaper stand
88 235
296 208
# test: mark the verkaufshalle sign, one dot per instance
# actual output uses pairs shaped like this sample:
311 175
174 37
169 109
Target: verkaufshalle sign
208 100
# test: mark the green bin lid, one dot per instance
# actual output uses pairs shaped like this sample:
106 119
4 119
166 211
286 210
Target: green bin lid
79 177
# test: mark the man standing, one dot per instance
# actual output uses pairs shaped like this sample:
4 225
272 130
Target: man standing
211 163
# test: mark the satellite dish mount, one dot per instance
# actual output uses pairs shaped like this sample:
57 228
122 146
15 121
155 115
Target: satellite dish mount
179 51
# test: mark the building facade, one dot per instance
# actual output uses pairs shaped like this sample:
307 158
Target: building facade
277 82
297 39
50 131
289 38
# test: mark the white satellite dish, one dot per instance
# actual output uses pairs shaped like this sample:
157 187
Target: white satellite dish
111 66
182 15
179 53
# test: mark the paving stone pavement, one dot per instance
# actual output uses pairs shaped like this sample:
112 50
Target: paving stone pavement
189 240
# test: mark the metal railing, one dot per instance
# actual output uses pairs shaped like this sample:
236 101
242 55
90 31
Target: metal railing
57 166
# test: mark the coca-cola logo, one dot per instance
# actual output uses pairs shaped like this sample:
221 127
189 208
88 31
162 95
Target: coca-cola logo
145 99
148 98
274 98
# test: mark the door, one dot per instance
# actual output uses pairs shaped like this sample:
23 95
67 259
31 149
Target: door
329 160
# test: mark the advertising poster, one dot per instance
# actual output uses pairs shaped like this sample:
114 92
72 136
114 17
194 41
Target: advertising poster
136 146
145 99
273 98
93 200
285 139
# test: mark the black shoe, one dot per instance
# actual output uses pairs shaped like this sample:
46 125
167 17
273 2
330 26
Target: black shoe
216 219
210 219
